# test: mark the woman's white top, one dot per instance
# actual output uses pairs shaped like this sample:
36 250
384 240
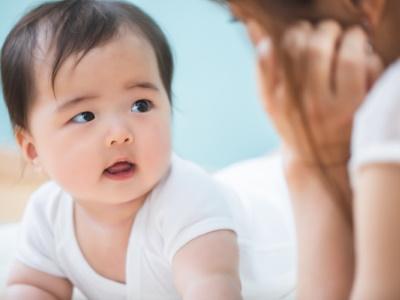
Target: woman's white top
376 132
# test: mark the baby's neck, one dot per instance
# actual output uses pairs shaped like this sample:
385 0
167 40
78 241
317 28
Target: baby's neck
109 215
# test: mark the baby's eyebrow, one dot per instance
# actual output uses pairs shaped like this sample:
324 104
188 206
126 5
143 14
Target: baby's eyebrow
74 101
141 84
129 86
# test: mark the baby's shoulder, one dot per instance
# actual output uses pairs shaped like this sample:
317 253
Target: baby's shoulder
187 182
46 202
188 203
48 192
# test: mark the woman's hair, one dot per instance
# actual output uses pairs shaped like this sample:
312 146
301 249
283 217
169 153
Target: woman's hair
277 10
275 16
72 27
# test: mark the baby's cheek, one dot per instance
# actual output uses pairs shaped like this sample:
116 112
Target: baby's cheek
162 144
162 156
73 170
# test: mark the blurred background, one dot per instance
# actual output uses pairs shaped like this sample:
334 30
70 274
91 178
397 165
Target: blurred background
217 117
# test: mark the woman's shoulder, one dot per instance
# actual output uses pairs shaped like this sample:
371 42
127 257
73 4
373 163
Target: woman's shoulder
376 130
382 105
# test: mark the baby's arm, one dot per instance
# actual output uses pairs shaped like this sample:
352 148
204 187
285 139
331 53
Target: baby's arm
28 283
208 267
377 207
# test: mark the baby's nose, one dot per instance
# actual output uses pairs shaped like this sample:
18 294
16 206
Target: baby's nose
121 140
119 136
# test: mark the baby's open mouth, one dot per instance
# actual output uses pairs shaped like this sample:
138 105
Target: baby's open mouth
120 168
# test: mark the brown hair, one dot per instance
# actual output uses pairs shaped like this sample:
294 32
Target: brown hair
74 26
275 16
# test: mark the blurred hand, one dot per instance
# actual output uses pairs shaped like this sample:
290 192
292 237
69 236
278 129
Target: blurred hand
311 84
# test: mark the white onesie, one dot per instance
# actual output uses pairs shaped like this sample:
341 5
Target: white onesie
186 203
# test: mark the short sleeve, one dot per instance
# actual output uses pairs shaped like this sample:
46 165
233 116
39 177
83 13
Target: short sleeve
193 204
376 132
36 245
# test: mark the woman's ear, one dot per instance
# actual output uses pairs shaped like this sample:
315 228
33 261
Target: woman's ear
253 27
28 149
237 11
255 32
373 10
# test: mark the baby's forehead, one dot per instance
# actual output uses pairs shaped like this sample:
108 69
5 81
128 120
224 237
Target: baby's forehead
48 47
127 51
50 55
44 48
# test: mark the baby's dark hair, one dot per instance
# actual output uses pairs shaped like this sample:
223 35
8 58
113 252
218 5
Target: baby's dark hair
73 27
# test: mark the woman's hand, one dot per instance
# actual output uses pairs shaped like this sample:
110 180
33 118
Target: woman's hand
312 81
311 84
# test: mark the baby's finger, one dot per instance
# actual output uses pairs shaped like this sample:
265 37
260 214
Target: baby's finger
351 67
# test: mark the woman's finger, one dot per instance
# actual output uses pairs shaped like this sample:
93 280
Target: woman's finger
294 47
375 68
321 53
351 67
268 74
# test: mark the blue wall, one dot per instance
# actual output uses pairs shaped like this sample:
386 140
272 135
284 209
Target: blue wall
217 117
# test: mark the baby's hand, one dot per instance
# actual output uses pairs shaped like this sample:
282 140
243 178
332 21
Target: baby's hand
311 83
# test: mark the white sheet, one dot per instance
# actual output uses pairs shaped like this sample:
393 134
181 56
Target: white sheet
8 242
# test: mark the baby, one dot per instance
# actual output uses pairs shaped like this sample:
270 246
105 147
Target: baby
88 89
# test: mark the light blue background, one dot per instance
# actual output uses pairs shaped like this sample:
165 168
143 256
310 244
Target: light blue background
217 118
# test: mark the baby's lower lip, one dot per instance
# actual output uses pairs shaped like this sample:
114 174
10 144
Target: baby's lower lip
123 175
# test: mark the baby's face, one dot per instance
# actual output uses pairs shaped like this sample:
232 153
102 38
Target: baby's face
105 136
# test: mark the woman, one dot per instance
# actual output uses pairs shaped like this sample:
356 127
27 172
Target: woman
312 81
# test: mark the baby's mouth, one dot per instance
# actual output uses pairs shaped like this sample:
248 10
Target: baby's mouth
118 168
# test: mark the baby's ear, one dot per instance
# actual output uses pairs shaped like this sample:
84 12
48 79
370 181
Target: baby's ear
26 143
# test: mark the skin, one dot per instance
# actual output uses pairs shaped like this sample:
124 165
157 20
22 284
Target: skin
329 246
106 126
377 222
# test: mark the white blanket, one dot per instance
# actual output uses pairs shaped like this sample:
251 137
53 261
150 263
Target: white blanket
8 242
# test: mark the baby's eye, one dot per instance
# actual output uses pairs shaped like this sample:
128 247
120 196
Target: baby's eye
141 106
83 117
